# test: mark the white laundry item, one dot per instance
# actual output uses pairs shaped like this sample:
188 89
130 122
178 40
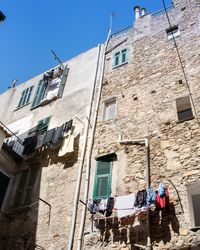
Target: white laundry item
103 204
67 144
125 205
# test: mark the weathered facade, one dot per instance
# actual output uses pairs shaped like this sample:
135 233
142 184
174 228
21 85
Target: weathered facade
37 205
145 96
146 101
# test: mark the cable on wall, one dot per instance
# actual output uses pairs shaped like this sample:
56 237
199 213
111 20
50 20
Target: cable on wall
181 63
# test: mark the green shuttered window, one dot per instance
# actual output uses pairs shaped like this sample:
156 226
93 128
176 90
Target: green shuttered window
102 183
25 97
120 58
25 190
43 125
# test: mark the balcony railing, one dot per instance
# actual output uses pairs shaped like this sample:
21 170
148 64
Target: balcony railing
14 142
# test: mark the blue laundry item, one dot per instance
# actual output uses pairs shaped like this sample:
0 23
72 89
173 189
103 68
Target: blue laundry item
161 190
151 196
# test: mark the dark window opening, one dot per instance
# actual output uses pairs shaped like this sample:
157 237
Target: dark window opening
173 32
184 110
4 181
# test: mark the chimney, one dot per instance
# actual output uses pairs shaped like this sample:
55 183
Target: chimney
143 11
137 12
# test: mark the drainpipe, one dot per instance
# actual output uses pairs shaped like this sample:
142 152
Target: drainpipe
88 163
146 143
78 186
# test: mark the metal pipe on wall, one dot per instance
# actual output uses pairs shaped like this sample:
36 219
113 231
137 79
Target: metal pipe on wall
88 164
79 176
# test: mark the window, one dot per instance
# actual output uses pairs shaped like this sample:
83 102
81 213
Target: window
102 182
42 86
120 58
25 191
43 125
194 203
4 181
110 110
51 86
25 97
173 32
184 109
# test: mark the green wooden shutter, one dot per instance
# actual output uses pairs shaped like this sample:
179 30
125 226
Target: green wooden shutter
25 97
63 81
102 183
19 196
42 86
30 184
43 124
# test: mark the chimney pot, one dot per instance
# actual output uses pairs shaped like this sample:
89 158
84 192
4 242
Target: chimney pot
137 12
143 11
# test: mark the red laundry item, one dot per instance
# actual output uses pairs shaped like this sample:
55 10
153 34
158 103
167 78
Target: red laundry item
162 202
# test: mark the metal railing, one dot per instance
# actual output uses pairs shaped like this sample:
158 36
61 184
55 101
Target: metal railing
14 142
162 11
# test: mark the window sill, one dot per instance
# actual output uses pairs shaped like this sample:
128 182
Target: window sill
44 102
188 119
115 67
21 107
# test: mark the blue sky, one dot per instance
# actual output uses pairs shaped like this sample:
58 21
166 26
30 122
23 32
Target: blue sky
34 27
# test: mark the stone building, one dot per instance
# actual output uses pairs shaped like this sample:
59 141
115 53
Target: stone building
46 121
148 131
135 108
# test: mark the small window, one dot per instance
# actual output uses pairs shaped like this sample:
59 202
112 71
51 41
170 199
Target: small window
25 191
25 97
173 32
110 110
102 182
184 109
194 203
120 58
43 125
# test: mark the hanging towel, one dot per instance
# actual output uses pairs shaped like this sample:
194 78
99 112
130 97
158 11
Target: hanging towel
57 134
40 141
68 125
48 137
67 144
103 205
125 205
151 196
141 199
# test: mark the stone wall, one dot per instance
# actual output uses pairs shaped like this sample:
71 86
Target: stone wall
146 89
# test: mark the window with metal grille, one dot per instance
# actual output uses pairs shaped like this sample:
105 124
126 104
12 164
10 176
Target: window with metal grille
102 182
120 58
109 109
25 97
184 109
194 203
172 32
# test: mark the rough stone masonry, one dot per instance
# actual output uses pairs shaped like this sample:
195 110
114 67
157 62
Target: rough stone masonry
146 89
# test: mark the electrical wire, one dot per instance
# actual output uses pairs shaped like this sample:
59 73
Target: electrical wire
181 63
